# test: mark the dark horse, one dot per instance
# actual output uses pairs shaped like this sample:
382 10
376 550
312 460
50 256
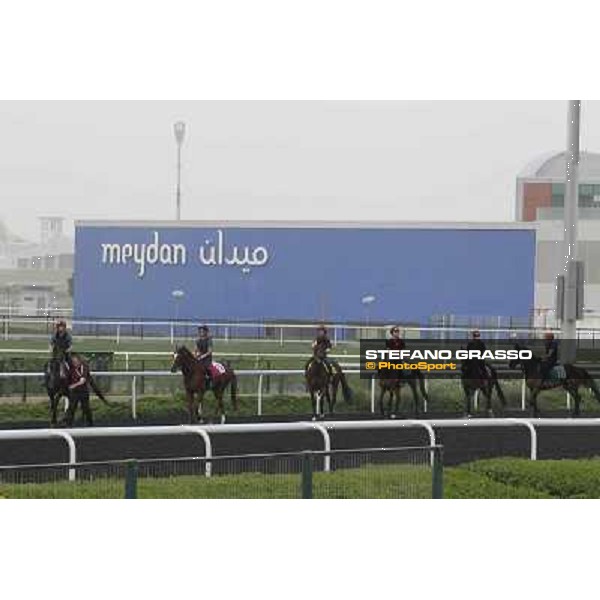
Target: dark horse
391 383
323 386
474 380
575 377
56 382
194 382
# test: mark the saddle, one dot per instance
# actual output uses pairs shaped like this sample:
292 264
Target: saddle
216 369
557 373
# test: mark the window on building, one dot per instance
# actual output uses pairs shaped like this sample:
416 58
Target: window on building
50 262
65 261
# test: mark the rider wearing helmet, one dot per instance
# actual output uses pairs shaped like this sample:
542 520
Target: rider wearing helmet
395 342
320 347
550 354
60 345
204 349
477 364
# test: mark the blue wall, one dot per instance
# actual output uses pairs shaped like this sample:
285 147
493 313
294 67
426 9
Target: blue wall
307 273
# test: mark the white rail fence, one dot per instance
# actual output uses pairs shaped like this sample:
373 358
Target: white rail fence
135 377
205 431
14 327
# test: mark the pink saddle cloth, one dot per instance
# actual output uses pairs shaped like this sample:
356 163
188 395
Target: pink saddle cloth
216 369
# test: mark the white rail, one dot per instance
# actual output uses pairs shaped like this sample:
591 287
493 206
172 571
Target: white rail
205 431
134 375
260 373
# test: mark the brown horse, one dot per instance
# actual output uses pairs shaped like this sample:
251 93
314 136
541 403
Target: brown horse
194 382
483 378
56 383
391 383
323 384
574 378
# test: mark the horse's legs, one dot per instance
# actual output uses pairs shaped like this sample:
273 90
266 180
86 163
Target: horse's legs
487 392
53 409
468 393
220 405
313 401
334 390
193 415
70 416
381 398
533 403
395 396
577 400
413 387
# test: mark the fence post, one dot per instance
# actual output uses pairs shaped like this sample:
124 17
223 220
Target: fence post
373 393
260 381
134 397
131 475
523 394
307 473
437 474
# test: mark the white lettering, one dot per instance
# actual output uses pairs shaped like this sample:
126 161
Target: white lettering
144 254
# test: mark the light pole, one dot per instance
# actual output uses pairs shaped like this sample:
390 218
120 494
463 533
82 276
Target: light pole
570 301
179 129
366 301
177 295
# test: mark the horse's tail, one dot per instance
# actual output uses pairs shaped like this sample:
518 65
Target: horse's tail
234 398
98 391
422 387
346 389
592 385
496 386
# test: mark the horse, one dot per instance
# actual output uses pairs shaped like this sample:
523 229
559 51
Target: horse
56 383
575 377
194 381
323 386
391 383
474 380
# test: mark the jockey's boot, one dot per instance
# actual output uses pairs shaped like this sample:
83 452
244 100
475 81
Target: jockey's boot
207 382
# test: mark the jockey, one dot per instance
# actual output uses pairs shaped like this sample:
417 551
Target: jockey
204 349
476 343
321 346
550 359
60 345
395 342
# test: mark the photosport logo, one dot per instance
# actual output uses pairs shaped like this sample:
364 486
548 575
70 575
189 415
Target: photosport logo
442 358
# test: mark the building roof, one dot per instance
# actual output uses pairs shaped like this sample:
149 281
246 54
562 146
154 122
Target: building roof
366 224
553 166
8 237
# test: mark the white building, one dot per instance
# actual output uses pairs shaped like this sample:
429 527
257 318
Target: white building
540 199
35 276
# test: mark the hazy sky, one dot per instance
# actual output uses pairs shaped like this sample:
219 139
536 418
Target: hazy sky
274 160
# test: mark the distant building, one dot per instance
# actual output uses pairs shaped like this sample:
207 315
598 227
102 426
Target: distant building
35 276
540 198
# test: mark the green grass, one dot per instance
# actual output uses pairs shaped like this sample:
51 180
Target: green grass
503 478
389 481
